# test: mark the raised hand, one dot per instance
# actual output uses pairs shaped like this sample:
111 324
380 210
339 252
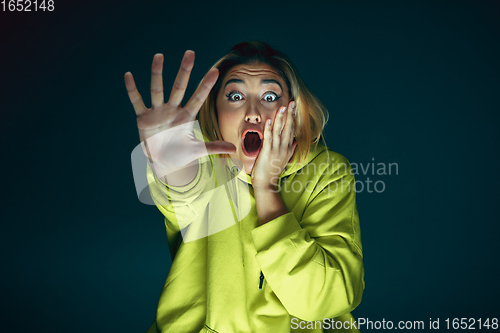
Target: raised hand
166 129
277 149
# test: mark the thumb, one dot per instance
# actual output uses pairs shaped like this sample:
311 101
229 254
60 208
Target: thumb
220 147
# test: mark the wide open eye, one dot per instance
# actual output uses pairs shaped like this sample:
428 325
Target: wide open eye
271 96
234 96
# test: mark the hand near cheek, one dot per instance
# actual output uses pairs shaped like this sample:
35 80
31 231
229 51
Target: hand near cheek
277 149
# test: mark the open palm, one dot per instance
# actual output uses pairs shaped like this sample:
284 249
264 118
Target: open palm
166 129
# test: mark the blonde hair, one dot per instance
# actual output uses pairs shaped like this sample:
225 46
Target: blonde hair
311 115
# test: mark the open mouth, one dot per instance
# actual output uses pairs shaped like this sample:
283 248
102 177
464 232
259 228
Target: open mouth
251 142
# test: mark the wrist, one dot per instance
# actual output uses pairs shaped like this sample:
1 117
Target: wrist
265 186
176 176
269 204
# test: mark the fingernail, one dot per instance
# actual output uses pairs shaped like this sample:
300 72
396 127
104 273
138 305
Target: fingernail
283 110
293 105
269 121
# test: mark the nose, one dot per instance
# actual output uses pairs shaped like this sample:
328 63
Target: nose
253 116
254 119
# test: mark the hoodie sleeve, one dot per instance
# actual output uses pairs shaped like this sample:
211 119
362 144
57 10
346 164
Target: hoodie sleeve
314 262
182 205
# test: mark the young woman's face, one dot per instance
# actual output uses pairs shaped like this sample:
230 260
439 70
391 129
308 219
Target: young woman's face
249 95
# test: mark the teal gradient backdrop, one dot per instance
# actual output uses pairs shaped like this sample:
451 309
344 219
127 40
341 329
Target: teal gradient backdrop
413 83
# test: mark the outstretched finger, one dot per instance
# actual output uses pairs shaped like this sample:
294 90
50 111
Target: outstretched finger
200 95
157 81
182 79
134 95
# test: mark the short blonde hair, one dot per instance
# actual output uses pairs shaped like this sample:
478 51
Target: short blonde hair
311 115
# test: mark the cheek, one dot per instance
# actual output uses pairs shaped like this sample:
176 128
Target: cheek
224 117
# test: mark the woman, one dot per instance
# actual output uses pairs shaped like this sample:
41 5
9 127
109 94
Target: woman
267 238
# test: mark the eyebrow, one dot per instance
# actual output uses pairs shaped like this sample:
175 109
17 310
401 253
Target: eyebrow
263 81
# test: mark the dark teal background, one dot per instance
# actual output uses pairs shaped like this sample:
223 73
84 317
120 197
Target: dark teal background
410 82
